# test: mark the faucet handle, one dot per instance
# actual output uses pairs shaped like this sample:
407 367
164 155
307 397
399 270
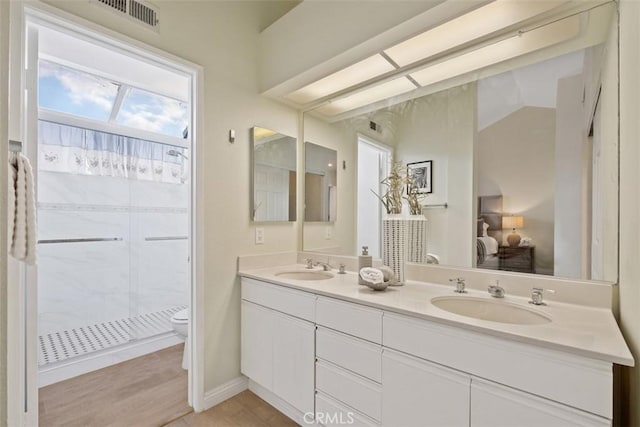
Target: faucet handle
341 269
309 262
460 285
537 296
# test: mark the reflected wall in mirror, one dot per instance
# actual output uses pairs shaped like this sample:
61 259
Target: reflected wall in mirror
534 139
274 176
320 183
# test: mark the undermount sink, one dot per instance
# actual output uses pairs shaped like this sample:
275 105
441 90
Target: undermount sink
305 275
495 311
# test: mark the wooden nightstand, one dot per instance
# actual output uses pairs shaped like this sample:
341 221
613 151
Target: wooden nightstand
520 258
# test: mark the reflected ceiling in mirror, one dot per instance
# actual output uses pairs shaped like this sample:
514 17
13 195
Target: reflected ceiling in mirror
274 176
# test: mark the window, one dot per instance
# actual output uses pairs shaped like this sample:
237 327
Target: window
73 92
77 93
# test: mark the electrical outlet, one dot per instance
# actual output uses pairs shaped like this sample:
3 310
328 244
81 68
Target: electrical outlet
259 236
327 233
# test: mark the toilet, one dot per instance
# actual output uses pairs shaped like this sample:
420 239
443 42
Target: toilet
180 323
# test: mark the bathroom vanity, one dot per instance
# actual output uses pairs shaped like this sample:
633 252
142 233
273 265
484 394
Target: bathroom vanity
332 352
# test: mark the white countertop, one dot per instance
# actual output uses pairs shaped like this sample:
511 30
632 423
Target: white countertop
585 331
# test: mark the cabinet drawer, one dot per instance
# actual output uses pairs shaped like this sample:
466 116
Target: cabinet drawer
290 301
359 393
330 412
353 319
359 356
523 409
573 380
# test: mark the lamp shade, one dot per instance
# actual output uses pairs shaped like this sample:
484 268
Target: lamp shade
512 222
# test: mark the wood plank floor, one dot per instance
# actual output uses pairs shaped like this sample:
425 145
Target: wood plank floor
243 410
149 391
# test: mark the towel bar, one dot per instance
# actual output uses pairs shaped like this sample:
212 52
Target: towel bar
83 240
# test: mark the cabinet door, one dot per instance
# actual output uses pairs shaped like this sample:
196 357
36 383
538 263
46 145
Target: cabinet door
257 344
493 405
293 361
418 393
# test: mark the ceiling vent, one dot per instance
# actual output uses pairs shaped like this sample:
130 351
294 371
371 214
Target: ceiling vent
134 9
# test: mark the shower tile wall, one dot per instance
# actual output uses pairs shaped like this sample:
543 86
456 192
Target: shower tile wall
82 284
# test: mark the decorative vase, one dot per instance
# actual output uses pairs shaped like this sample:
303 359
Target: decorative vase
417 235
403 240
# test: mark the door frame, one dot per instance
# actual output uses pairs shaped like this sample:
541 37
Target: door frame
22 382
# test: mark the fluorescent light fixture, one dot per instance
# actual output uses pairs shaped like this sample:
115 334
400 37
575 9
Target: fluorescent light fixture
473 25
368 96
352 75
528 42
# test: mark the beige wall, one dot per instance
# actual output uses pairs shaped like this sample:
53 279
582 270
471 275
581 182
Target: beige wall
515 158
629 281
222 37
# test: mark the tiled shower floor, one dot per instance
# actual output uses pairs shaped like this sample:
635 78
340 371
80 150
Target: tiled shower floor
62 345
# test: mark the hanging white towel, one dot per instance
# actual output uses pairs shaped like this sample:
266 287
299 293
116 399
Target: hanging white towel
22 225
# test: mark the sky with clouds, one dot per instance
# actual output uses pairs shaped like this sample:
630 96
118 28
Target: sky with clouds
74 92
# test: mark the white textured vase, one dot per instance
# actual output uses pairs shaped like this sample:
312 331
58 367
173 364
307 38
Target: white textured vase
403 240
417 235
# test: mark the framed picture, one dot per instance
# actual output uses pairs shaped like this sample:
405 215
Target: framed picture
420 174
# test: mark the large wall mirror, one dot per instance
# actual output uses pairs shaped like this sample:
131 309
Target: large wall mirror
521 157
274 176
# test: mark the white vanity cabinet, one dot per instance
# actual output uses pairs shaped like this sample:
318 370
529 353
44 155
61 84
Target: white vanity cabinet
278 347
418 393
493 405
351 363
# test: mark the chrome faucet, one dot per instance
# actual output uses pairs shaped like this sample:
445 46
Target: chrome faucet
325 265
459 281
496 290
537 296
309 262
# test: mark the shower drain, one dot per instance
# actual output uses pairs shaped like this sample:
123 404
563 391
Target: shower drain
58 346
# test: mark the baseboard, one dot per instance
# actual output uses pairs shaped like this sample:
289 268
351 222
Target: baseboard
225 391
278 403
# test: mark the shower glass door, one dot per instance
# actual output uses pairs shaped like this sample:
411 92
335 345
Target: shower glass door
113 201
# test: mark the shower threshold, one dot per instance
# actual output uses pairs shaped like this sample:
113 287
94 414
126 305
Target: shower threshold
66 354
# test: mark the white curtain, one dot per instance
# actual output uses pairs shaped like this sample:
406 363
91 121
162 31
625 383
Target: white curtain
80 151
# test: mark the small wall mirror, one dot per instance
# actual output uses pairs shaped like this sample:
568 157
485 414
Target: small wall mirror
320 183
274 176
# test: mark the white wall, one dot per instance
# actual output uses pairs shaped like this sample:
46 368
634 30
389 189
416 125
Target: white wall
4 132
515 159
222 37
571 153
628 396
442 127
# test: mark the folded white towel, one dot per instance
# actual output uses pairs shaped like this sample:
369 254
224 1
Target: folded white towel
22 228
372 275
389 275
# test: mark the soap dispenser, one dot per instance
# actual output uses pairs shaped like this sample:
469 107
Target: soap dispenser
364 260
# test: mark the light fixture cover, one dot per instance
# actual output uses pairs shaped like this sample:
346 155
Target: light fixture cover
368 96
352 75
481 22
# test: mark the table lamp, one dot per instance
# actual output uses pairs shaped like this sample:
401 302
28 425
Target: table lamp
513 222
